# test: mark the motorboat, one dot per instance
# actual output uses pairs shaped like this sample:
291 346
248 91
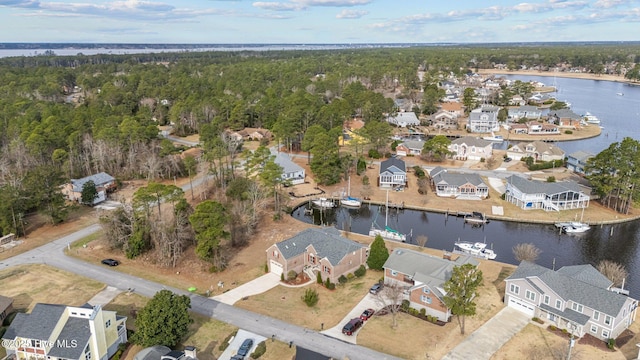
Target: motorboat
350 202
575 227
494 138
620 94
591 119
476 218
476 249
323 203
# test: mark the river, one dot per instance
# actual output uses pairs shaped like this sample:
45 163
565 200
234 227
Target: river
619 115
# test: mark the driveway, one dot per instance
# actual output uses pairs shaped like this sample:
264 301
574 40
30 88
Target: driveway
369 301
497 184
264 283
490 337
232 349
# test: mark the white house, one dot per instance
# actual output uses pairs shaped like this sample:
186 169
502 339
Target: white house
548 196
291 171
471 148
404 119
393 172
484 119
538 150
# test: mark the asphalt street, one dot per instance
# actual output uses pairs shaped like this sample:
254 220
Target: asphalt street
53 254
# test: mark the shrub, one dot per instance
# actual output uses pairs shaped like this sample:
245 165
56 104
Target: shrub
361 271
418 171
342 279
121 349
551 179
319 277
310 297
405 305
291 275
568 132
553 328
327 282
9 319
374 154
260 350
350 276
611 343
282 277
331 286
482 160
223 345
266 268
423 312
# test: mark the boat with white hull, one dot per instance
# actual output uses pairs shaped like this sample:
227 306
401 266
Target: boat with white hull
350 201
575 228
591 119
476 249
494 138
323 203
387 233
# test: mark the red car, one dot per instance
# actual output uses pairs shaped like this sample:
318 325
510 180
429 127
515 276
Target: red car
367 314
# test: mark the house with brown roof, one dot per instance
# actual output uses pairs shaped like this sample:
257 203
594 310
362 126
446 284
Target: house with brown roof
454 108
538 150
317 250
471 148
423 277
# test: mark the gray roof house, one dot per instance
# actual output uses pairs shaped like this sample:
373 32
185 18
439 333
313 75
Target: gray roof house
525 111
404 119
103 182
393 172
471 148
484 119
291 172
423 276
315 250
577 298
66 332
548 196
577 161
458 185
410 147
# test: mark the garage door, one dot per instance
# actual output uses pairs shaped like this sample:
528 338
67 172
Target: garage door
522 306
276 267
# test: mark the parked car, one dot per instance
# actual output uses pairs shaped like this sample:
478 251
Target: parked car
110 262
507 159
246 346
376 288
237 357
352 326
367 314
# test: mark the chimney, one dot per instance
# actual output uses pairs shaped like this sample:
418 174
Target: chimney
190 352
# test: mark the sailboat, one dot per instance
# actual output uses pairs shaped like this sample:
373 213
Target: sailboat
349 201
387 233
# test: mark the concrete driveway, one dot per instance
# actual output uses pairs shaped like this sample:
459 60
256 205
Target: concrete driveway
264 283
369 301
232 349
490 337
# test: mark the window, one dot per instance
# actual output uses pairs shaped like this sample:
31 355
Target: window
607 320
596 315
426 290
275 254
576 307
327 270
530 295
547 299
559 304
425 299
605 333
108 323
514 289
594 329
394 273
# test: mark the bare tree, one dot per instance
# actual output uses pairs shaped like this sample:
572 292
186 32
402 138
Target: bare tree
613 271
526 252
421 240
390 298
118 225
366 191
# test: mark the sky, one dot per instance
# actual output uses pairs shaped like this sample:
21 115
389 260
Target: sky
317 21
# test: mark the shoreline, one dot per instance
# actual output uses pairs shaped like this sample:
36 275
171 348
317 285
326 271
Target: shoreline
582 76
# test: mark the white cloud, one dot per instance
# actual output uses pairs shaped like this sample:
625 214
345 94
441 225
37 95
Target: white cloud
351 14
606 4
278 6
333 3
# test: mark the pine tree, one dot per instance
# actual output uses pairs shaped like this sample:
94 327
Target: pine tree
378 254
461 291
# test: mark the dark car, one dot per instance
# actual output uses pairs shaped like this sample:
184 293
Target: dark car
110 262
246 346
367 314
237 357
375 289
507 159
352 326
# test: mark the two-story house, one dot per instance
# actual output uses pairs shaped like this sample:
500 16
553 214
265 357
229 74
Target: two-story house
484 119
538 150
576 298
548 196
471 148
525 112
315 250
423 277
454 108
445 120
458 185
292 173
103 182
577 161
393 172
57 332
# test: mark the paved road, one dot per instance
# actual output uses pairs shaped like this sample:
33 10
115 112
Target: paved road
53 254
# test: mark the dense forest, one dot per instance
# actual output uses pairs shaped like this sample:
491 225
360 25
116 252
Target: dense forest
68 117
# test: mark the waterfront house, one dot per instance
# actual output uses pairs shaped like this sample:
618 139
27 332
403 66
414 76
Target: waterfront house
484 119
52 332
423 277
403 119
444 120
576 298
577 161
541 128
517 100
548 196
317 250
104 183
525 112
471 148
458 185
410 147
538 150
393 172
292 173
454 108
565 118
